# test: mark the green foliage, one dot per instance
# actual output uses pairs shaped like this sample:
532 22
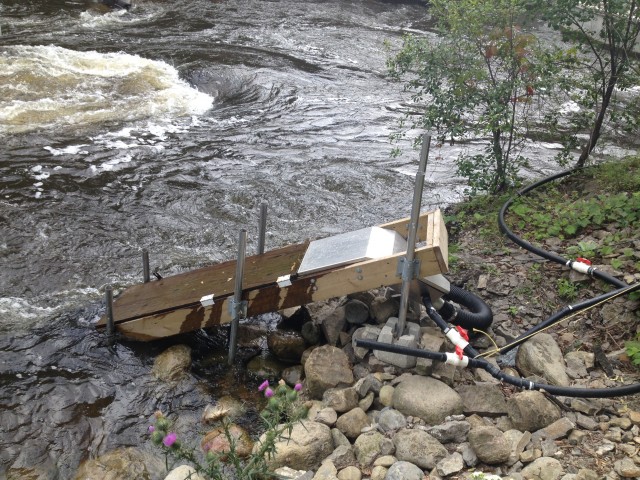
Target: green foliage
567 289
478 78
282 411
600 67
633 351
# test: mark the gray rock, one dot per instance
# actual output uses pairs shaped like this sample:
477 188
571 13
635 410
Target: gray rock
450 464
341 399
531 411
490 444
327 415
327 471
368 332
432 339
173 364
353 422
391 419
367 447
541 356
311 333
404 471
451 432
518 441
382 309
333 324
350 473
343 456
419 448
308 444
356 311
286 473
292 375
182 472
327 367
379 472
627 468
558 429
468 455
366 402
123 464
339 438
543 468
427 398
485 399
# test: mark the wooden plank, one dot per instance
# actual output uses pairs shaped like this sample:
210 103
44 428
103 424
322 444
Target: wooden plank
313 288
402 226
189 287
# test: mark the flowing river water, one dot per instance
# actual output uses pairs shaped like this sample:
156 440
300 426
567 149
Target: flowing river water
165 128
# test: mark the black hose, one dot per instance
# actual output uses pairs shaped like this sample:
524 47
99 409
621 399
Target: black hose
538 251
478 315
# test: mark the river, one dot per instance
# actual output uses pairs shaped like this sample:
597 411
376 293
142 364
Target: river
165 128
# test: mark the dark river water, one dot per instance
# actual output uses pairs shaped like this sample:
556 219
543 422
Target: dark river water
165 128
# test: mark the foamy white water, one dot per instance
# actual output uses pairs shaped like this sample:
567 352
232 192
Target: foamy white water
54 87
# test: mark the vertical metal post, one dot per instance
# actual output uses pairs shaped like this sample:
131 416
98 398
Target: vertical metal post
110 324
145 265
263 227
237 307
408 267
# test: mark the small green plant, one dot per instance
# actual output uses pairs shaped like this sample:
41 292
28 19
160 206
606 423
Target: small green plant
512 310
632 348
282 411
567 289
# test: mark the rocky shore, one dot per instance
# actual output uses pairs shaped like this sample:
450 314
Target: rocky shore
380 418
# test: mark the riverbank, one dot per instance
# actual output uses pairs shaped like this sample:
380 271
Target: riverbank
385 422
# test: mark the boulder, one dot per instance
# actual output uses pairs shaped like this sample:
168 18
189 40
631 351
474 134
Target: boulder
308 444
543 468
286 345
333 324
391 419
327 367
485 399
404 471
352 423
341 399
541 356
490 445
368 447
530 411
426 398
418 447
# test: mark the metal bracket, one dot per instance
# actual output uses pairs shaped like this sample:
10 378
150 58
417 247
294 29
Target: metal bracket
237 309
207 300
408 270
284 281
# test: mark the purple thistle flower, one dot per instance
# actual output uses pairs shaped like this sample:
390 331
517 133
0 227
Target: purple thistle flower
170 439
263 385
297 387
151 429
268 393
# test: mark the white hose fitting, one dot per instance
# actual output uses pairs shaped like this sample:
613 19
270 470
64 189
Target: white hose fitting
454 336
453 359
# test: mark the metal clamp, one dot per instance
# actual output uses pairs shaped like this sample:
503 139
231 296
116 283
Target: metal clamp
408 270
237 309
284 281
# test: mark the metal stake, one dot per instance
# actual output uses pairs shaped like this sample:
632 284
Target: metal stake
263 227
110 324
408 267
237 307
146 275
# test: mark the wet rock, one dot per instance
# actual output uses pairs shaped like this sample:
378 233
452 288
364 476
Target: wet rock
485 399
121 464
543 468
308 444
172 364
368 447
265 367
418 447
286 345
490 444
541 356
426 398
225 407
404 471
531 411
216 441
327 367
352 423
293 375
311 333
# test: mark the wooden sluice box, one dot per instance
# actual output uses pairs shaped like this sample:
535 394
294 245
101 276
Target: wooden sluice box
287 277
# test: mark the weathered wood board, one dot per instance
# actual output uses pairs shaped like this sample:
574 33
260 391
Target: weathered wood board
172 305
